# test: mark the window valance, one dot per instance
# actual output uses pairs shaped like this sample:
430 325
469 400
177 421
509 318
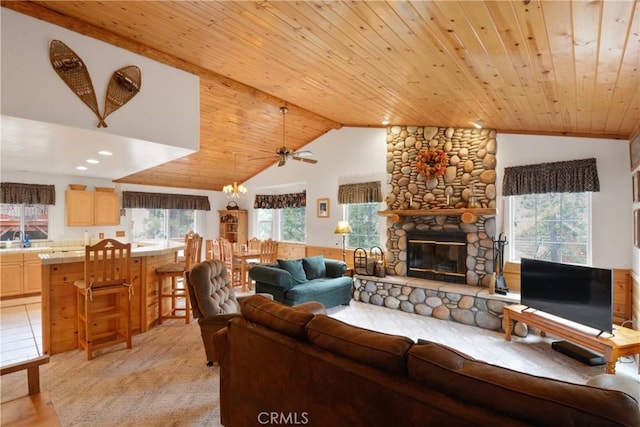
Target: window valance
574 176
134 199
280 201
364 192
30 194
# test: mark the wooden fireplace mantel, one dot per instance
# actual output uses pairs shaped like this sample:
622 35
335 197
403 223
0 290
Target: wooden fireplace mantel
467 215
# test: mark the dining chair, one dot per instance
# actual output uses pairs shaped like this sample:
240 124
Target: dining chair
103 296
170 296
254 244
269 251
213 250
227 257
216 248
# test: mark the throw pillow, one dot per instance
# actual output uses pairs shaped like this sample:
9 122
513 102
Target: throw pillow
314 267
294 267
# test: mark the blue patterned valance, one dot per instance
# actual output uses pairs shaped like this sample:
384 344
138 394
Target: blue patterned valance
280 201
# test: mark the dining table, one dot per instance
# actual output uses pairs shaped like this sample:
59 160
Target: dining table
243 257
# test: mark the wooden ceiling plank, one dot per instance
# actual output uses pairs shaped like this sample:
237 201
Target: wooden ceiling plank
307 29
470 25
586 17
617 29
335 62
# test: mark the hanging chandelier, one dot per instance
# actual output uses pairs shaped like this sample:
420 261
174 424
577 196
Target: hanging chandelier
235 190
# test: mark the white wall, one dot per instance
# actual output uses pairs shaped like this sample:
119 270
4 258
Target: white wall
355 155
167 109
345 156
611 236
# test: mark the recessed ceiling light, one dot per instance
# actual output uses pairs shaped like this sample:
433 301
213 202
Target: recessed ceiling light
105 153
81 168
93 161
478 124
386 122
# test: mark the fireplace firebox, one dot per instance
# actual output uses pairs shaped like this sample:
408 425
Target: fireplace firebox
437 256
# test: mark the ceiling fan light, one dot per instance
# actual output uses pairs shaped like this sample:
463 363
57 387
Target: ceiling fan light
303 153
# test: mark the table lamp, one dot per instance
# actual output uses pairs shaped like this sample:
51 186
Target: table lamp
343 228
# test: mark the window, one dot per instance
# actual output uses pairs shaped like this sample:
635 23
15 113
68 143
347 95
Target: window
551 227
265 224
161 224
287 224
32 220
364 221
294 224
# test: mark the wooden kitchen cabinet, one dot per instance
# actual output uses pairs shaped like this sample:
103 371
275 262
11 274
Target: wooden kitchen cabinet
79 205
106 208
20 275
32 274
92 208
11 281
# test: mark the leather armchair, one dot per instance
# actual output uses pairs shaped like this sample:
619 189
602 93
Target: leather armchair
213 301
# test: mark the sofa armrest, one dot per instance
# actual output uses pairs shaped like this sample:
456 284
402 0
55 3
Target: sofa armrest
220 320
273 276
335 268
220 341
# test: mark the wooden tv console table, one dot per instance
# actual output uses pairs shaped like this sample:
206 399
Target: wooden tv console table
624 342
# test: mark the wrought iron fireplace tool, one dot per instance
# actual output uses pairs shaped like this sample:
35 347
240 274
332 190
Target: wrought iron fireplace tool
498 250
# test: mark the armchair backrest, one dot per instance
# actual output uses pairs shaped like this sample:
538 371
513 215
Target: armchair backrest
210 289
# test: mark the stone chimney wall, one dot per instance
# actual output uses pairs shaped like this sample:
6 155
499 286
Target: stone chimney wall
470 174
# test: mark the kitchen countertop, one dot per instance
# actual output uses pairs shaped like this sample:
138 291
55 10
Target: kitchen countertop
69 254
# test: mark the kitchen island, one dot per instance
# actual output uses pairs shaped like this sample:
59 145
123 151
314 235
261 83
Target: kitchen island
59 307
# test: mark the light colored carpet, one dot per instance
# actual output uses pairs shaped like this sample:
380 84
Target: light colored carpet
163 379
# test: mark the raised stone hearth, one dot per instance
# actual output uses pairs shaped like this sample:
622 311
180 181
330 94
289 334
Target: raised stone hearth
470 305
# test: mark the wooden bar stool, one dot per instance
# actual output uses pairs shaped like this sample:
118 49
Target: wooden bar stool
169 296
104 297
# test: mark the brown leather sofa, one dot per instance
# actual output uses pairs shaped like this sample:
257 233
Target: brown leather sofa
280 365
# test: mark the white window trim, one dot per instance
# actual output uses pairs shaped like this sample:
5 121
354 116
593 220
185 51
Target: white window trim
508 229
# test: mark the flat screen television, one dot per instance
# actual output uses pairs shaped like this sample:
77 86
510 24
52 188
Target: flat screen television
578 293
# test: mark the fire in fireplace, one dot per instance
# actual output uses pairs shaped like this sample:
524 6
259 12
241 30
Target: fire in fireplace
437 256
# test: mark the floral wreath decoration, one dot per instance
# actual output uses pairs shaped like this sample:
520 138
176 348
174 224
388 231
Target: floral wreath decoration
431 163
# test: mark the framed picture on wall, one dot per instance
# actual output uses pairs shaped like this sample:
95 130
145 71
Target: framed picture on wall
635 181
634 152
323 208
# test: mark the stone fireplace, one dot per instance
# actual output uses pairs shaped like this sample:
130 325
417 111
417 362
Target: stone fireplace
460 204
457 207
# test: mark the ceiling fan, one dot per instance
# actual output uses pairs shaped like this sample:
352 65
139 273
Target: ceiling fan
285 153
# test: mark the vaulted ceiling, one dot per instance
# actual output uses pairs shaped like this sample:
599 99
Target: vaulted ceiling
539 67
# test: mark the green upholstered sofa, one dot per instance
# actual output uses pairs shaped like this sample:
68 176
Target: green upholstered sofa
312 278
